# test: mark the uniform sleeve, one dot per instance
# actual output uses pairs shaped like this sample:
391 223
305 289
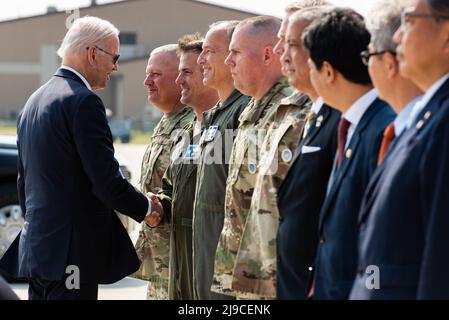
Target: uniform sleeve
166 193
93 140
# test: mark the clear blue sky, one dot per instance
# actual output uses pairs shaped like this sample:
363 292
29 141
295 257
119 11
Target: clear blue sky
22 8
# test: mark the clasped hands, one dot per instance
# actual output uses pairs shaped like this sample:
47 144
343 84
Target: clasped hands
157 211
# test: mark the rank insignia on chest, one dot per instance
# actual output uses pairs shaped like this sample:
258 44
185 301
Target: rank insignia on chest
193 152
286 155
210 133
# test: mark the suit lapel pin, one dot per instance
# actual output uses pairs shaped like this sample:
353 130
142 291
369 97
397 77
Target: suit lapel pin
348 153
419 124
318 121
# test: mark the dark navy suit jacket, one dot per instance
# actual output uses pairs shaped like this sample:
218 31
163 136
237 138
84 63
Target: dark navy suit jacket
337 250
69 183
300 198
404 220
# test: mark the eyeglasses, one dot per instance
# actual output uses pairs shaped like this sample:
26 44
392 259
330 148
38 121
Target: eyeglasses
115 57
407 16
365 55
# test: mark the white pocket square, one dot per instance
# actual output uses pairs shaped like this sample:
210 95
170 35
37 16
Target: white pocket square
309 149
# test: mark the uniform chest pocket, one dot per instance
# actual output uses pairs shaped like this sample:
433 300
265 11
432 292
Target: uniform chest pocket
238 159
278 149
280 143
158 155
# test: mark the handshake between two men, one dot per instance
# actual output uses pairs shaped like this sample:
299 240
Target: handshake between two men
154 218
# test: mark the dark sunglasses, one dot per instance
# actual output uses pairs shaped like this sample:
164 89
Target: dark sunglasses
115 57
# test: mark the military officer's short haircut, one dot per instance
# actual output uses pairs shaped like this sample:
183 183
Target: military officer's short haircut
303 4
190 42
228 25
172 47
267 26
338 37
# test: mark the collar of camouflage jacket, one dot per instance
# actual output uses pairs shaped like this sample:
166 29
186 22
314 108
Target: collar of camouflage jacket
170 121
255 108
296 99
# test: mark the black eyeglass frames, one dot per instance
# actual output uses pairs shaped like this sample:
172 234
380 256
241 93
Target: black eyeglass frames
366 55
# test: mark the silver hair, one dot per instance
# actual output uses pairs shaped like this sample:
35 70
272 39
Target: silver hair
165 48
85 32
382 22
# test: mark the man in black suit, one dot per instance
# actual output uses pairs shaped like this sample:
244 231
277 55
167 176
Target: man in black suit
69 182
339 76
302 193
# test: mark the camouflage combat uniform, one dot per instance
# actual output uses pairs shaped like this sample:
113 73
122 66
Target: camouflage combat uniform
254 273
152 245
216 143
254 122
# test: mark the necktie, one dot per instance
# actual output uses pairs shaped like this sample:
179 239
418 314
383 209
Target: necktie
389 135
341 139
309 121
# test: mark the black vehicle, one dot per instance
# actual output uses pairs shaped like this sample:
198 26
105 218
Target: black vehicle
11 219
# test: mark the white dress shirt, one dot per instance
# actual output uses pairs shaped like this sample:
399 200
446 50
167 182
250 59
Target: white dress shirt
357 110
400 123
428 95
79 75
316 107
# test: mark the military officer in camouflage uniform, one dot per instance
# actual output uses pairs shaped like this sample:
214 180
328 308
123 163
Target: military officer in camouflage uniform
255 267
256 71
153 245
219 124
255 264
178 184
